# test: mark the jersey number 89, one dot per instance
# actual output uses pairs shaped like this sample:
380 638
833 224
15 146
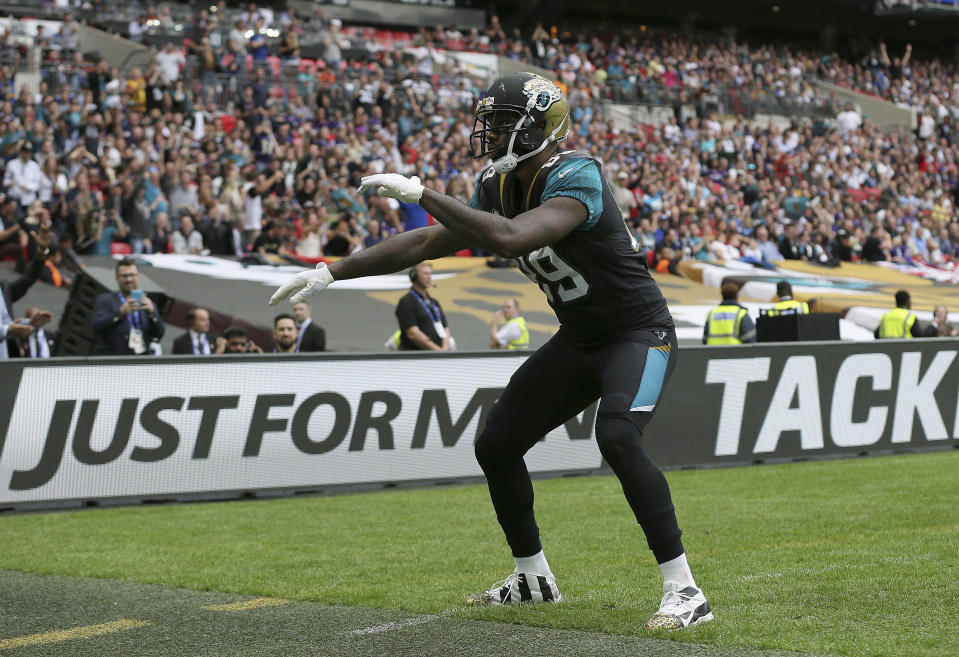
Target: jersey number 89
558 280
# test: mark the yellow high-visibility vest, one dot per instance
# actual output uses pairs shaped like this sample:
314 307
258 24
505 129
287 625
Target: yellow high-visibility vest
723 324
522 342
897 323
789 307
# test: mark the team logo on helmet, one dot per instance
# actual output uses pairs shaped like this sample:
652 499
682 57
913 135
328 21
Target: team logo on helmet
544 92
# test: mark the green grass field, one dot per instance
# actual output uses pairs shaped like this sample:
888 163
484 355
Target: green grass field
848 557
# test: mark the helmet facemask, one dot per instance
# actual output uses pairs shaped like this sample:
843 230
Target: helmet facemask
526 132
492 124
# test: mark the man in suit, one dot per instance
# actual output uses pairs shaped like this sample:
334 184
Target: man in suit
123 325
312 337
198 339
11 329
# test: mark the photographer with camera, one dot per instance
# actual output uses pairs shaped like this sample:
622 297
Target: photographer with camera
125 322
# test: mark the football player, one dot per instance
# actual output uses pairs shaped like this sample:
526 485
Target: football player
554 212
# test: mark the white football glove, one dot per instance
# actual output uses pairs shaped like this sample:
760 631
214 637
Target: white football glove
306 283
408 190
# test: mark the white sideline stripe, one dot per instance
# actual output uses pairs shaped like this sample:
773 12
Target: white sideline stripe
395 625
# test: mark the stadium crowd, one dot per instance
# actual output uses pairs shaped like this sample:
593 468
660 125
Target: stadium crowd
233 144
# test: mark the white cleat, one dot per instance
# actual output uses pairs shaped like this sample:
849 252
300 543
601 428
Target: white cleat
681 607
518 588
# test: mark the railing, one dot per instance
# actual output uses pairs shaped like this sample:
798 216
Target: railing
227 89
12 57
298 78
748 103
289 78
108 11
740 101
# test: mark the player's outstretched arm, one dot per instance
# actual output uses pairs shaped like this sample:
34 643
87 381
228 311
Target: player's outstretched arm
543 225
398 252
550 222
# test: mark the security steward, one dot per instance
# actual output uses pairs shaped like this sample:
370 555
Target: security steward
729 322
514 333
900 322
786 304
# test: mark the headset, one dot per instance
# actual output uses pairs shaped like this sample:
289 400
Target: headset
415 268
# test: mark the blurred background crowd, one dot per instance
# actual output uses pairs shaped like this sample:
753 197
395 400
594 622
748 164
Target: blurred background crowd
231 141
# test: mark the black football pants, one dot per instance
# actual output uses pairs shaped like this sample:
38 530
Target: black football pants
555 384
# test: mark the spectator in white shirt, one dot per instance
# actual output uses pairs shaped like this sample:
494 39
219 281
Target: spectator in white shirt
927 124
253 193
52 181
170 60
624 197
186 239
237 38
136 28
22 178
726 251
849 120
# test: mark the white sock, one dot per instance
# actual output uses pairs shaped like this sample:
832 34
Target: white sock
535 564
677 570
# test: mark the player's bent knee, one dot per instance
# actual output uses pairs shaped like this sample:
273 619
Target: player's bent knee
491 448
616 435
484 450
496 446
